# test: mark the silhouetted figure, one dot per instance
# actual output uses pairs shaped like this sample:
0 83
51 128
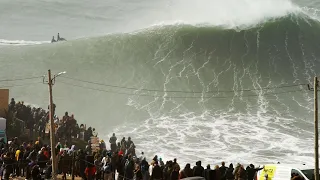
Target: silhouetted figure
53 40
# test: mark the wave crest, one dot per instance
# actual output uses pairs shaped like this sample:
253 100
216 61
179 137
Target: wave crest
21 42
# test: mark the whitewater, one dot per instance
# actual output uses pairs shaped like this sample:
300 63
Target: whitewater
206 80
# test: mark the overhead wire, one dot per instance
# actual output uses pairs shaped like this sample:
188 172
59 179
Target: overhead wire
154 90
18 85
179 91
175 97
21 79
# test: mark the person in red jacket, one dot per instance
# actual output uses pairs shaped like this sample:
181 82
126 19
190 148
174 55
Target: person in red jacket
46 152
90 172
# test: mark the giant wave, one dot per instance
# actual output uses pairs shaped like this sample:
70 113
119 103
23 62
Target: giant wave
233 94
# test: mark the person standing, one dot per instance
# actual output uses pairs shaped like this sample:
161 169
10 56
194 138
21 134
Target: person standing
113 143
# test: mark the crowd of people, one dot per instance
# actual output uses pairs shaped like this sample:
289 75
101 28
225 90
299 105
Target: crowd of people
35 120
123 161
32 159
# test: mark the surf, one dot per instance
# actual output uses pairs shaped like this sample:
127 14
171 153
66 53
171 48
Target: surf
230 13
21 42
216 63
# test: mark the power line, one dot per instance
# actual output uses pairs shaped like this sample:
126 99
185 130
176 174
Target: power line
178 97
21 79
17 85
178 91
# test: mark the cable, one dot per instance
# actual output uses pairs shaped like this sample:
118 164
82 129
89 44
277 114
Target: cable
21 79
16 85
175 97
176 91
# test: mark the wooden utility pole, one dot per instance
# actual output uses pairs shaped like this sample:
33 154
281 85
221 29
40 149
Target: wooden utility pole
73 164
316 130
52 128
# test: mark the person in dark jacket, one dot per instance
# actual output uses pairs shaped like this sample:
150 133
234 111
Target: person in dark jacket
223 170
167 170
229 173
114 159
217 174
129 168
120 166
48 170
128 143
144 168
29 169
42 160
207 172
7 165
156 172
113 142
175 173
186 172
198 169
35 173
251 171
123 141
138 173
82 165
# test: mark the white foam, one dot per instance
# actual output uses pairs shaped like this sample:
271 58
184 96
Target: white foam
312 12
257 135
230 13
20 42
215 138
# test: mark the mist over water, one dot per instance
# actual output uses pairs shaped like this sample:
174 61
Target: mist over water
230 13
207 80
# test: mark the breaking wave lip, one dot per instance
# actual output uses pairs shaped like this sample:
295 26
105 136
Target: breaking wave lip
21 42
303 13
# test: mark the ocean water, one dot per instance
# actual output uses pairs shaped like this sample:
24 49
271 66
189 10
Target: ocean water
209 80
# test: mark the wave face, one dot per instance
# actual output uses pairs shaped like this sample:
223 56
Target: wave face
265 125
215 119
